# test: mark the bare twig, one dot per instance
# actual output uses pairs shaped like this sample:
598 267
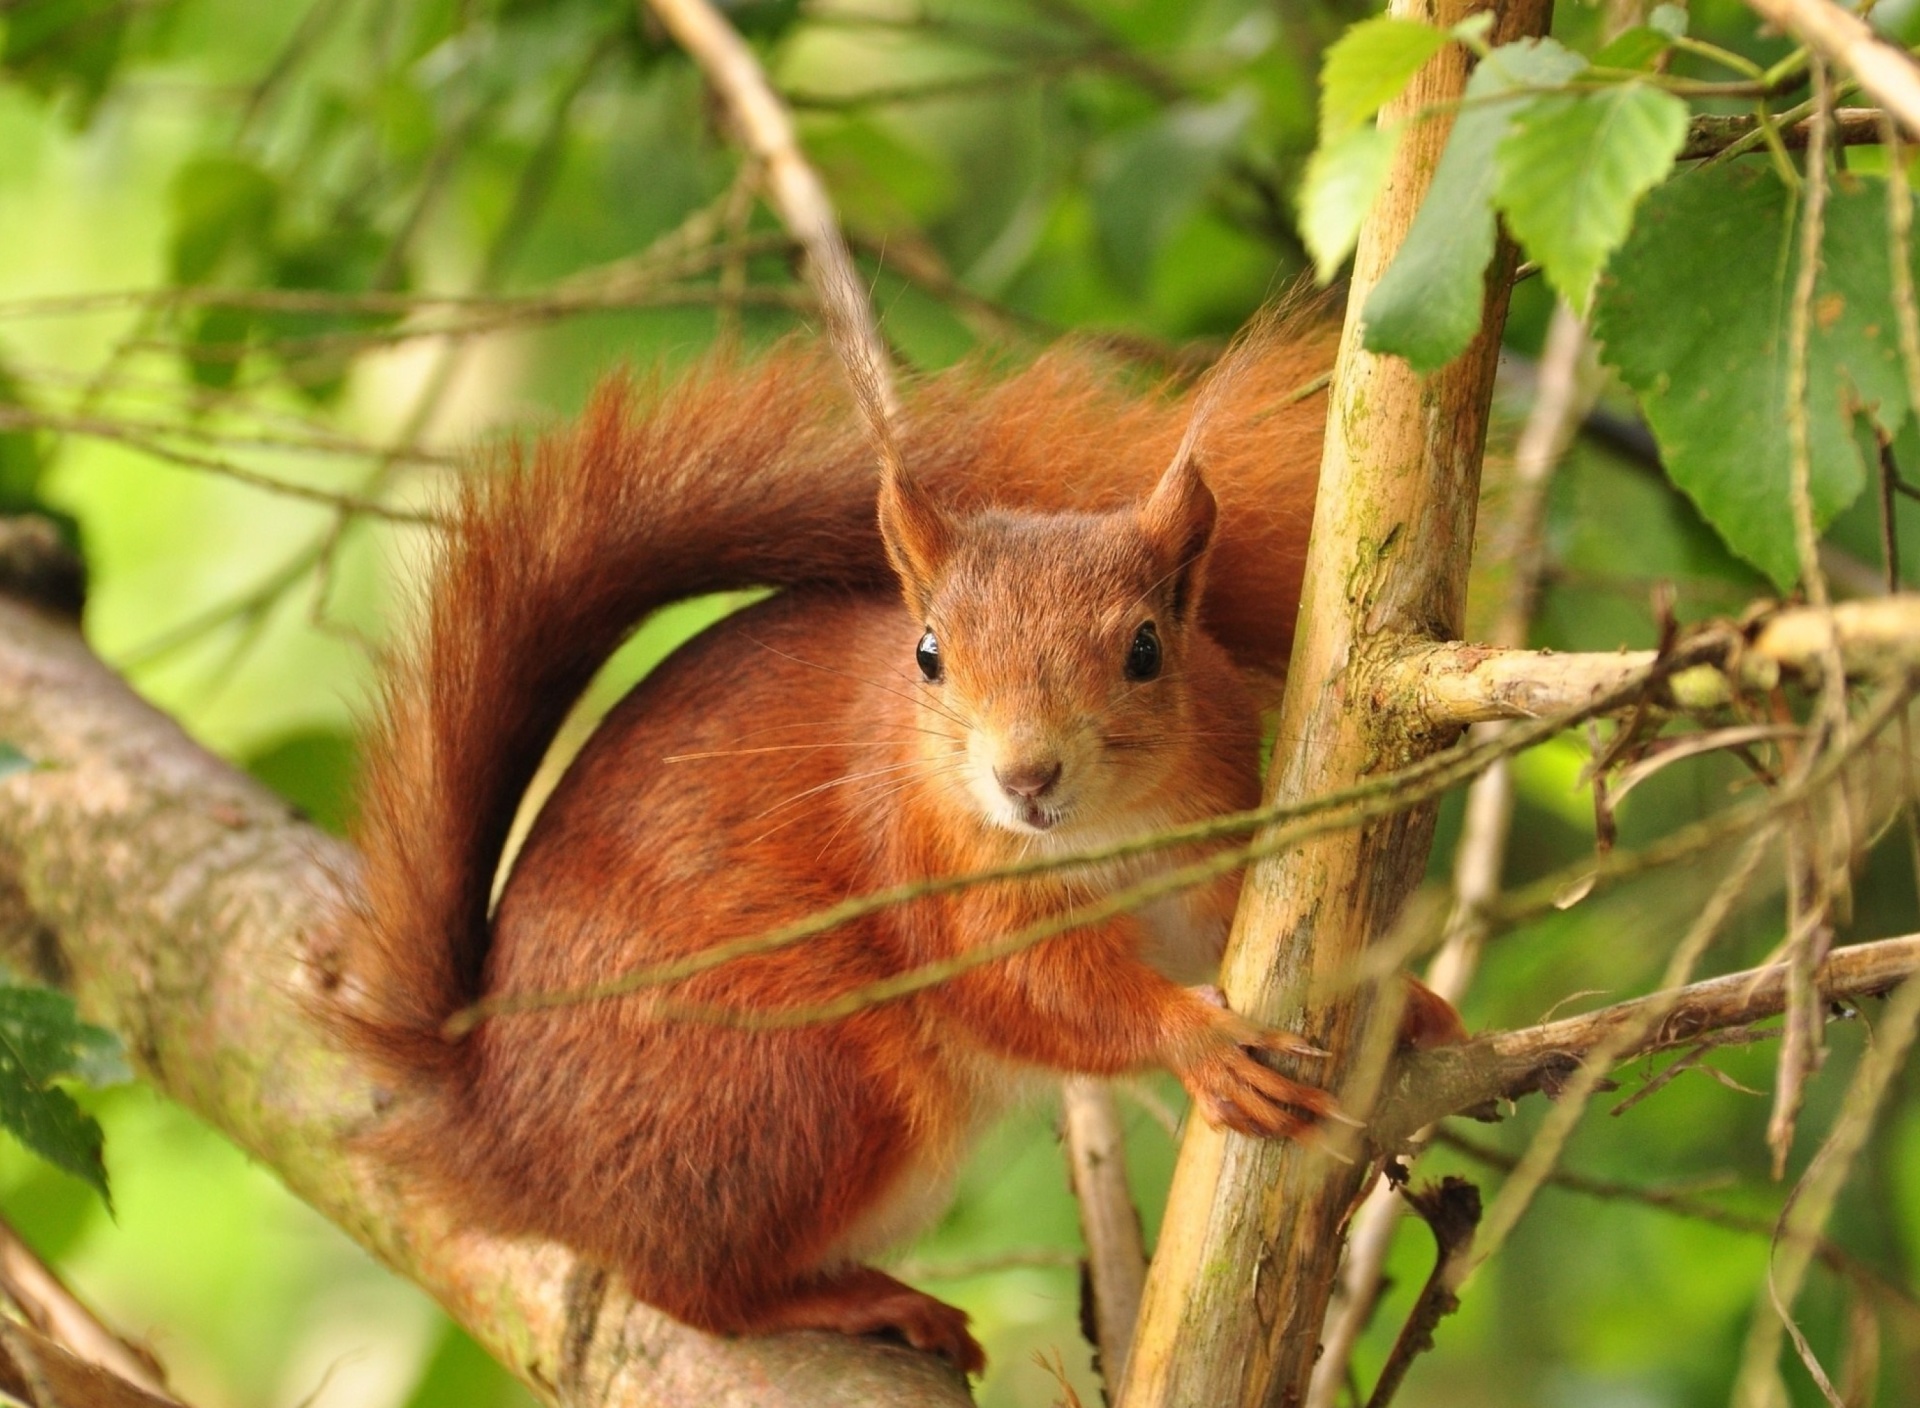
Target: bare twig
44 1301
1691 1206
1810 893
1428 1085
1572 1094
102 428
795 191
1116 1252
1845 38
1453 683
1814 1199
1451 1210
1709 134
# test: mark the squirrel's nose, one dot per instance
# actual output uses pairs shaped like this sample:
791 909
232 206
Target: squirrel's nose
1028 781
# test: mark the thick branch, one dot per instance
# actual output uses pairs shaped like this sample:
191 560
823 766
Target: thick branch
1428 1085
187 908
1448 683
1239 1285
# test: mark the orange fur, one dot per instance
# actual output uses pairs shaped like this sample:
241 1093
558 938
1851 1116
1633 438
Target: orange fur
795 755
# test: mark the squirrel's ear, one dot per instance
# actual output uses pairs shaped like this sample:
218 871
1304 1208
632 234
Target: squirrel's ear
917 534
1177 519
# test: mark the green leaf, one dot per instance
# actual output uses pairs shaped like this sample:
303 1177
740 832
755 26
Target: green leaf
1339 188
41 1041
1154 178
71 46
22 457
1572 169
1369 66
1694 311
12 760
1427 305
1635 48
1670 20
222 207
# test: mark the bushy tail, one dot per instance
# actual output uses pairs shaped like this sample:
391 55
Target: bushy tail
752 476
745 477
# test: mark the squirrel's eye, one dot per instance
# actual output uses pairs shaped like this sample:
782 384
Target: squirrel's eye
1143 656
927 656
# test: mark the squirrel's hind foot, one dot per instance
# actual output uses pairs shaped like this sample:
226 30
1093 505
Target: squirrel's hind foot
860 1300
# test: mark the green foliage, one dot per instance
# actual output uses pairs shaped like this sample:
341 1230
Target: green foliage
1571 170
1566 169
1344 177
66 47
1695 316
314 770
1151 181
43 1041
1427 306
21 454
1369 67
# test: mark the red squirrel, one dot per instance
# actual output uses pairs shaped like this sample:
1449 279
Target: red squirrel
1043 640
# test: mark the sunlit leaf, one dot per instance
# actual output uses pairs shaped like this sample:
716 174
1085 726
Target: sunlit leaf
1572 169
1369 66
1694 313
1427 306
1669 19
1338 190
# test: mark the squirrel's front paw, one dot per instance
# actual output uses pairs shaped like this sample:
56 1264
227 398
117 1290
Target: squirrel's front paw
1233 1089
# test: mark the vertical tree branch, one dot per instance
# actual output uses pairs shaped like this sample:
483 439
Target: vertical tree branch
1239 1286
1109 1221
1561 400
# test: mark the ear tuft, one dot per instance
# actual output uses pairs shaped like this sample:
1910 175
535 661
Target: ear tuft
918 537
1177 519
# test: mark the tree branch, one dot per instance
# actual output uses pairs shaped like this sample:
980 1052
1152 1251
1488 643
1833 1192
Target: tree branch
1449 683
1429 1085
1238 1290
1709 134
1110 1223
191 911
1883 70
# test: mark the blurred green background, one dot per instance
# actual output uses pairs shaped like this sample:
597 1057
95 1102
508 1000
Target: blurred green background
1009 172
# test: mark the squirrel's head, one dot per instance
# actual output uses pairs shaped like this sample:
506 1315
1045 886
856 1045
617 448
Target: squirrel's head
1053 661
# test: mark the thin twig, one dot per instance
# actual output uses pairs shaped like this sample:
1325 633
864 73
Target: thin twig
1379 796
795 191
1844 38
1451 1210
44 1301
1710 134
1691 1206
1809 932
1429 1085
100 428
1814 1200
1571 1099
